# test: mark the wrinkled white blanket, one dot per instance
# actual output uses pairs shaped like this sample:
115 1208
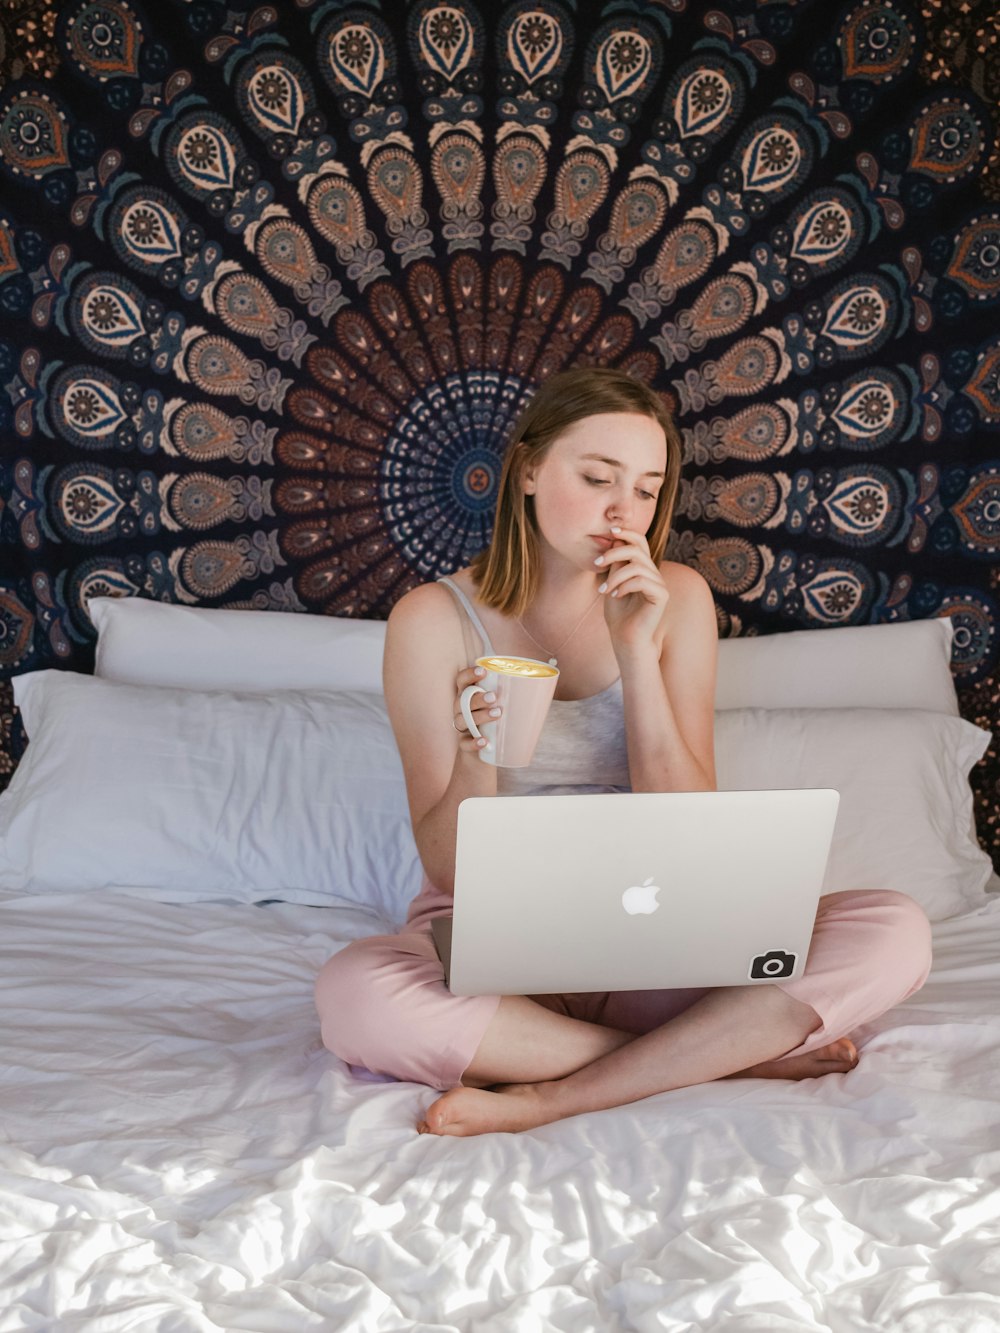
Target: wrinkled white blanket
178 1152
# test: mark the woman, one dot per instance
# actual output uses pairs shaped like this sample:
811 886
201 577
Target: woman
575 573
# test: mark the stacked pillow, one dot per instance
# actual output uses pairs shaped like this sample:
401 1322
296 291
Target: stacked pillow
248 756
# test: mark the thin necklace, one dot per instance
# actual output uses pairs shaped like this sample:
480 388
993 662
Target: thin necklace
554 658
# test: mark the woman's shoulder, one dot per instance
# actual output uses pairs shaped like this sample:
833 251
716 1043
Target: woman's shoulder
429 606
684 582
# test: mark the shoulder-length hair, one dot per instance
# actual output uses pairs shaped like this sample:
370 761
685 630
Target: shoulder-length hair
506 572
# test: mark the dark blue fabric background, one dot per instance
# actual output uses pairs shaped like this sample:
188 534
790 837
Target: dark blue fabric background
275 280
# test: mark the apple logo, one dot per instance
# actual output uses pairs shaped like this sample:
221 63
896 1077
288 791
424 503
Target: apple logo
641 898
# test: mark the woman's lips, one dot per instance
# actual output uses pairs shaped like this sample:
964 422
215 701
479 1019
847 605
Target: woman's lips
603 543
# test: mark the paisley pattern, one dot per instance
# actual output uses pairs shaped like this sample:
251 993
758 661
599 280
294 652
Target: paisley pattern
276 280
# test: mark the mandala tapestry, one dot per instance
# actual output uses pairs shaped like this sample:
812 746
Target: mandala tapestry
276 279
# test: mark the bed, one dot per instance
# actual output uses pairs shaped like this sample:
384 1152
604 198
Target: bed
179 1152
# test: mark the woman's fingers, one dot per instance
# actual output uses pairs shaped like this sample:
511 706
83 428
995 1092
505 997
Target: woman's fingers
483 707
469 676
615 554
488 711
649 586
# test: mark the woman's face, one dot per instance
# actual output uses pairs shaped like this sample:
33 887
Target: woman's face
604 470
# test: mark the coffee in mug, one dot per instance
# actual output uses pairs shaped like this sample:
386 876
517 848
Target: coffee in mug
524 689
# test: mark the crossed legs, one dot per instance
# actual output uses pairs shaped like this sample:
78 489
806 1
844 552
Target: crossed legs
729 1032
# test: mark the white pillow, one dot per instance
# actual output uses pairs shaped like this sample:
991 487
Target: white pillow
905 817
182 796
144 642
905 665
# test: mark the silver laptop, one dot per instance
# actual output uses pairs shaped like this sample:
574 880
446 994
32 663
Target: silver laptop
634 891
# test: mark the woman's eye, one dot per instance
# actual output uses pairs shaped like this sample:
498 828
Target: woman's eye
598 481
646 495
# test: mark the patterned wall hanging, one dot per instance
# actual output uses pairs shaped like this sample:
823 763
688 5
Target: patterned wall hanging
275 280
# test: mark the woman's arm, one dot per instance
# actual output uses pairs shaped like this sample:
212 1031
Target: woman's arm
670 702
665 636
424 651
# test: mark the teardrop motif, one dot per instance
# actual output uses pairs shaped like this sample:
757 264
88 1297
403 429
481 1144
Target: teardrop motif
285 250
357 57
337 211
637 214
395 181
276 98
978 512
109 313
445 38
87 408
33 135
702 101
834 596
217 365
150 231
246 305
730 565
205 157
581 186
747 367
858 316
862 506
975 263
748 501
459 169
870 411
535 44
88 504
624 61
947 140
687 253
824 230
756 433
104 40
519 170
200 501
212 568
723 306
200 431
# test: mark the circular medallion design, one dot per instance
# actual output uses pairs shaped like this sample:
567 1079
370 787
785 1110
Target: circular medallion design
276 282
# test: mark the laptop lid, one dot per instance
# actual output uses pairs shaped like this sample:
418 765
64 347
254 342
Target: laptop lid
636 891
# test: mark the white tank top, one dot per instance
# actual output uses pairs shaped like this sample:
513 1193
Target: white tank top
582 745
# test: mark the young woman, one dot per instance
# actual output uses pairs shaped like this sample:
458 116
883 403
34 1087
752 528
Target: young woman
575 572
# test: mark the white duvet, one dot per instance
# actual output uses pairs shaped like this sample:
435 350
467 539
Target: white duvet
178 1152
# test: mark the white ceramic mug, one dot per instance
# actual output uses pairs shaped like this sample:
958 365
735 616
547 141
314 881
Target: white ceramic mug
524 688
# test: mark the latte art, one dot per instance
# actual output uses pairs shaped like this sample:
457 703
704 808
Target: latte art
516 666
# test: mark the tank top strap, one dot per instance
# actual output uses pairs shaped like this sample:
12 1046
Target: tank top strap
470 611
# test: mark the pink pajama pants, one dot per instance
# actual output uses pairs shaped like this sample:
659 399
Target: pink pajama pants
383 1004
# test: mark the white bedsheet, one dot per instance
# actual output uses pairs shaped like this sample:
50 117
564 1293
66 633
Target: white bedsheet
178 1152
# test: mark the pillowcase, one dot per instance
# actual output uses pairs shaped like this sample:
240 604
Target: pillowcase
145 642
182 796
905 816
904 665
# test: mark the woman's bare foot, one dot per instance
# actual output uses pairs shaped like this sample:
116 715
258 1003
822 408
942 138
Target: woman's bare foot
519 1106
838 1058
507 1110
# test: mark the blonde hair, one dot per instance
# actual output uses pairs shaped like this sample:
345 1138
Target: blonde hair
506 572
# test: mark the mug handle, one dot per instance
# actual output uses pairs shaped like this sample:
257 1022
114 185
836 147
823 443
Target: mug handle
465 702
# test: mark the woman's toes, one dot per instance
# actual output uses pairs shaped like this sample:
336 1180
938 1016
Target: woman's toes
844 1051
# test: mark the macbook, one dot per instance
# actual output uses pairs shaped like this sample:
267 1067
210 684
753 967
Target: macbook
634 891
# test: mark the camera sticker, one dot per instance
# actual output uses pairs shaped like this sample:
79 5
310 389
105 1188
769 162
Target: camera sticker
772 966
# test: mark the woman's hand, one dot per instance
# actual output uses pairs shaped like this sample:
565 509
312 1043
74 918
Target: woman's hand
634 592
484 709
